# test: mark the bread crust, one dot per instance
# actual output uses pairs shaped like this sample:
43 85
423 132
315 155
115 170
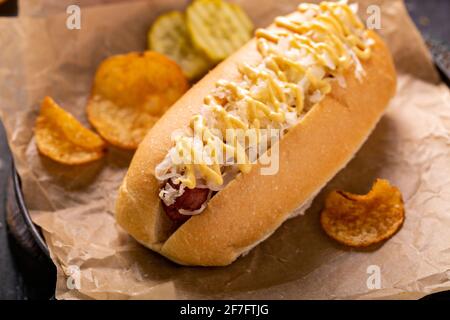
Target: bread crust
311 153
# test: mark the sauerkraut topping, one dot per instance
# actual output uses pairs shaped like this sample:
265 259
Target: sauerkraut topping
300 59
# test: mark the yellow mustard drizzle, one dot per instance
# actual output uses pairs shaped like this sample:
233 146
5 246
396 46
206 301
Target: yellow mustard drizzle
328 36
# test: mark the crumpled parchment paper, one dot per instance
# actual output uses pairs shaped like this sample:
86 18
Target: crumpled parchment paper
74 205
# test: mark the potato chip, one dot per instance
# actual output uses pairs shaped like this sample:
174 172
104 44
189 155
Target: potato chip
131 92
62 138
363 220
169 35
217 27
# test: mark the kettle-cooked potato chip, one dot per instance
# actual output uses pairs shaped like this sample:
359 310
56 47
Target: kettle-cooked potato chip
217 27
62 138
363 220
169 35
131 92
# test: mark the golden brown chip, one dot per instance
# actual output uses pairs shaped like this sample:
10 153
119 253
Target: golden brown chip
131 92
62 138
363 220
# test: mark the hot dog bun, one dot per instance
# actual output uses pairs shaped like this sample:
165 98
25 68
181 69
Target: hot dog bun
253 206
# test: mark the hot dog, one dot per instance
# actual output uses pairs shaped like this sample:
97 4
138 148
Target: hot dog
190 201
317 77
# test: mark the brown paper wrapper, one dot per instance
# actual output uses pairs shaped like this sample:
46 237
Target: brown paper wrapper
74 205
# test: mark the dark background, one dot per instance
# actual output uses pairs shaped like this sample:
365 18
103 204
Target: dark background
431 18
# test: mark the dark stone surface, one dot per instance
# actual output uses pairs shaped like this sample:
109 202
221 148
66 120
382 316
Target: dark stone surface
431 17
22 283
10 279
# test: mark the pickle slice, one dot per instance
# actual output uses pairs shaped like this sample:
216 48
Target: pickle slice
217 27
243 18
169 36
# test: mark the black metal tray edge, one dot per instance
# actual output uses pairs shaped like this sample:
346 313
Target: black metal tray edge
20 201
